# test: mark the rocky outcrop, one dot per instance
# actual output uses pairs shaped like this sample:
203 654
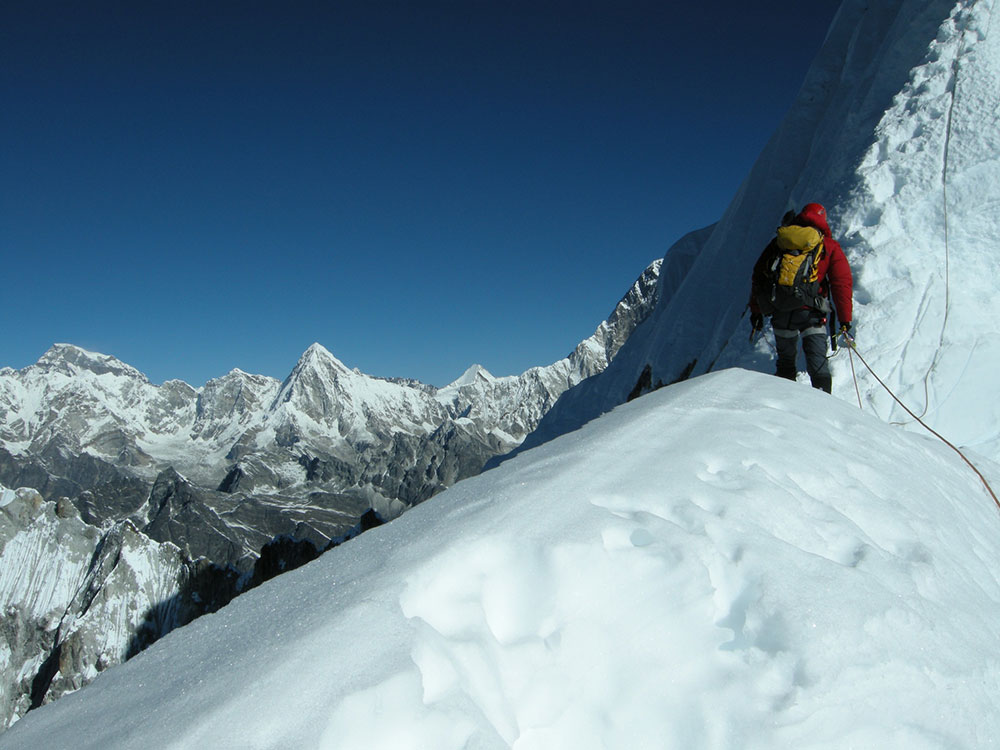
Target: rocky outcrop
56 472
231 529
77 599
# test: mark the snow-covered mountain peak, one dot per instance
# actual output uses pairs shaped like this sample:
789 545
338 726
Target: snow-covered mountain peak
315 380
236 372
72 360
845 596
325 427
317 370
237 375
318 359
475 374
317 351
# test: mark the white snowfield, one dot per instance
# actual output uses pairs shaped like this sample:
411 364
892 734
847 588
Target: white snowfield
735 561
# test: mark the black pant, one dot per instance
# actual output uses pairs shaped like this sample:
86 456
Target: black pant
810 326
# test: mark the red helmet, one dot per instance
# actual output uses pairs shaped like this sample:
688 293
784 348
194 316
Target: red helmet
814 215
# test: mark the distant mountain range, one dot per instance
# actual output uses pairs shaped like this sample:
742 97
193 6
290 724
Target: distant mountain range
220 487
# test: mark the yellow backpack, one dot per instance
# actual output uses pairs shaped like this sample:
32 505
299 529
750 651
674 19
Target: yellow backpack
793 273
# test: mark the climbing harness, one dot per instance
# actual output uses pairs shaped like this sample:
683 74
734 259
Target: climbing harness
853 351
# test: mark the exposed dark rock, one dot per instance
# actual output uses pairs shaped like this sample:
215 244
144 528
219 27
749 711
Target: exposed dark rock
204 588
66 509
55 474
370 520
281 555
232 481
286 436
57 637
645 384
328 469
179 514
686 372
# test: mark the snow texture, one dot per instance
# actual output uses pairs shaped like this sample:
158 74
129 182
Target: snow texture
674 575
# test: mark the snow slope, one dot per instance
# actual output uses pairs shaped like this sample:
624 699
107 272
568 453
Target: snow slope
735 561
897 131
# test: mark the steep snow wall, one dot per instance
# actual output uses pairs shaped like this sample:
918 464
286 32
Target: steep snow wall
897 131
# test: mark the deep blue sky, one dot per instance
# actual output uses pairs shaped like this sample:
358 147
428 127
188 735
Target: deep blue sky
418 186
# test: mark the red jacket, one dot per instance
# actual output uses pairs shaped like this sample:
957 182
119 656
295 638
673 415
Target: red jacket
832 270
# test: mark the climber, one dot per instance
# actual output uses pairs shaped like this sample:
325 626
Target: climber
793 282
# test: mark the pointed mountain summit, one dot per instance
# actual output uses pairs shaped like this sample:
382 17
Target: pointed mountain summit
318 356
313 384
326 427
475 374
306 459
685 494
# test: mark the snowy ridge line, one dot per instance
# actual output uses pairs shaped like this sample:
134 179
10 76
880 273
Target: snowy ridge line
223 474
956 65
814 603
77 402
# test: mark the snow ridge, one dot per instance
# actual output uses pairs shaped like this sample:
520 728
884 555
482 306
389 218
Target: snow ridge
663 577
669 574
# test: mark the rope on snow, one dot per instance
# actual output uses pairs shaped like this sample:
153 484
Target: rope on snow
852 349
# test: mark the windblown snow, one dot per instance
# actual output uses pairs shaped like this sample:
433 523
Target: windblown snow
736 561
